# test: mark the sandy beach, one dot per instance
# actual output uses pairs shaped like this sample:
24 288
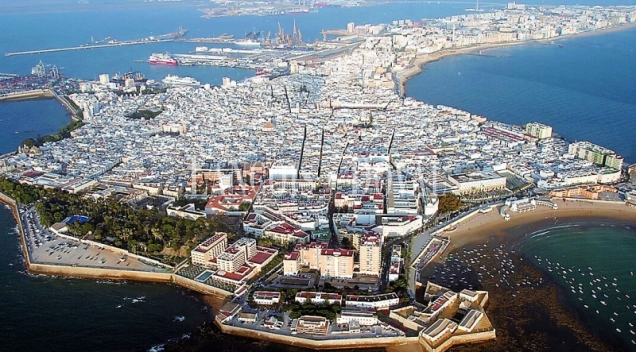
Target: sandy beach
483 227
420 60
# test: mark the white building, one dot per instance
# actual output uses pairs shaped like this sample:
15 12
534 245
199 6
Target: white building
378 301
363 317
266 298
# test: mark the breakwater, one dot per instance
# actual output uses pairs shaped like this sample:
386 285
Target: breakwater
86 47
31 94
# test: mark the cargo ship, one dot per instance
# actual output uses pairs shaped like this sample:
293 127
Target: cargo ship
162 59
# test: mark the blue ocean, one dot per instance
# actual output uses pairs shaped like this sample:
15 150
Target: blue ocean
584 89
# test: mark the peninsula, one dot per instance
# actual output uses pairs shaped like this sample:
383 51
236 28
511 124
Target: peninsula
335 191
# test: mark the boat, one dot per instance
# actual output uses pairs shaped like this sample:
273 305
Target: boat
172 80
162 59
262 72
247 42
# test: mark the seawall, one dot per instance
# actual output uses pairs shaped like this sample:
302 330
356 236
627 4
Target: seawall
42 94
97 273
343 343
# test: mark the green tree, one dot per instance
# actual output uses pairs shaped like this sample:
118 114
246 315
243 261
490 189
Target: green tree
449 203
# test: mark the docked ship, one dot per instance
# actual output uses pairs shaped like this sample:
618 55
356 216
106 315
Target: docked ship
172 80
247 42
262 72
137 76
298 11
162 59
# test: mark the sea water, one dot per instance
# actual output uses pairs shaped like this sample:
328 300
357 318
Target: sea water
595 265
20 120
41 313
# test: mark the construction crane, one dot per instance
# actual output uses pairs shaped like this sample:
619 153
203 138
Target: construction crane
268 40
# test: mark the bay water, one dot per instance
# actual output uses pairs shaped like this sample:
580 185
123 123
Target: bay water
595 265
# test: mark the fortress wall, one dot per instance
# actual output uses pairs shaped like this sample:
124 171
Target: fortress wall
316 344
460 340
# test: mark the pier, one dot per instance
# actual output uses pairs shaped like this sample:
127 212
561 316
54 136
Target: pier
85 47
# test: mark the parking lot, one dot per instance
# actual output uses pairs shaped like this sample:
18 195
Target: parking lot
46 247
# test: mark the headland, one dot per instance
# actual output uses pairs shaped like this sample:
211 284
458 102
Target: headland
350 165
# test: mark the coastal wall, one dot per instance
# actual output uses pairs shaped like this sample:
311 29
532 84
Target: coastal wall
199 287
460 340
16 214
42 93
316 344
98 273
75 113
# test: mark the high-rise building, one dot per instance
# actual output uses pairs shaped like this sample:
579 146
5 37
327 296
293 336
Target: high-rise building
596 154
330 262
370 254
104 78
336 263
539 130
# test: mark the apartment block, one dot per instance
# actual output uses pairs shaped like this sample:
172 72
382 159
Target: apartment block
539 130
209 249
370 255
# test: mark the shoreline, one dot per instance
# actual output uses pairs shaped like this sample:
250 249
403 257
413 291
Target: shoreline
544 308
485 227
417 65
